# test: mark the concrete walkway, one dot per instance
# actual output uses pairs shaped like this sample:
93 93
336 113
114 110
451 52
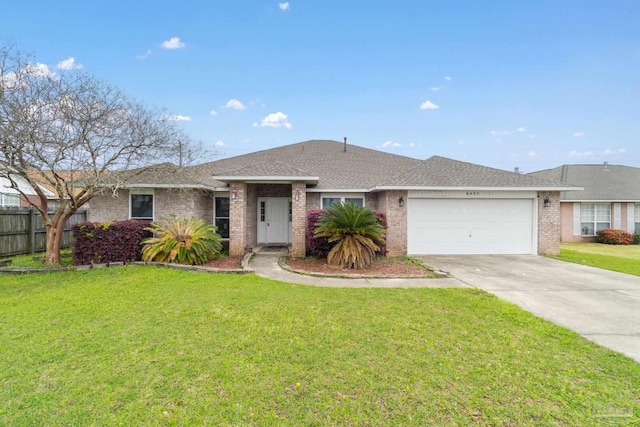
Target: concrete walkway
266 265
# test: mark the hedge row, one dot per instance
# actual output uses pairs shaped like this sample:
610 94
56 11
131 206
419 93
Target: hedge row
611 236
100 243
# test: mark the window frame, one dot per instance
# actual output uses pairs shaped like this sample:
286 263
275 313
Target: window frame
636 219
5 197
216 217
142 192
597 215
343 198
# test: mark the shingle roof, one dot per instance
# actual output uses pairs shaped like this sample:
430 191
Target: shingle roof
439 171
600 182
334 168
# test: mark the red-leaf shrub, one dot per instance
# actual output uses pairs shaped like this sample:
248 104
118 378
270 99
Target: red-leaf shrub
614 237
320 246
100 243
316 246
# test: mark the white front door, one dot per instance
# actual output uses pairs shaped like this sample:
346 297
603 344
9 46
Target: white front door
274 224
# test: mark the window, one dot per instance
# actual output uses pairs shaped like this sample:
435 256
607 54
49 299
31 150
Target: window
636 213
594 217
328 201
142 206
9 200
222 216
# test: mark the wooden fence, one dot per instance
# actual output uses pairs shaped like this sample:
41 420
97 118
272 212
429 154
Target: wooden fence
22 231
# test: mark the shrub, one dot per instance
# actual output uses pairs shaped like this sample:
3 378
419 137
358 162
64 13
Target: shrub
614 237
316 246
319 246
183 241
106 242
354 232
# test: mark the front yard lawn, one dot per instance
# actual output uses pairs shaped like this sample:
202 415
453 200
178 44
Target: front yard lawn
621 258
150 346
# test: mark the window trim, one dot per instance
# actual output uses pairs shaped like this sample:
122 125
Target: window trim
215 213
636 219
142 192
596 220
4 197
342 197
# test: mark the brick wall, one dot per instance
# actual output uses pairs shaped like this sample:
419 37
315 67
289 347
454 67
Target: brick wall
238 218
396 221
371 201
313 201
549 223
252 215
106 207
299 219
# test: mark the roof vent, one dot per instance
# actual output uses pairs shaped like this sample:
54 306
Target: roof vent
345 144
516 169
605 167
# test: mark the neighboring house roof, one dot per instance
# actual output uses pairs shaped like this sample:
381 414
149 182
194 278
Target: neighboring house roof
25 187
46 178
336 166
601 182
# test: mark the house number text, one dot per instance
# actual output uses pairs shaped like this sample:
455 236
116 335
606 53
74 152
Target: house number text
473 193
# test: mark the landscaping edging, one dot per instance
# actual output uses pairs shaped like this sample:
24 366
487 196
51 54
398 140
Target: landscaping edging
245 269
438 274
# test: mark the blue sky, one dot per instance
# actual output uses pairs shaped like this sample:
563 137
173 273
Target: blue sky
532 84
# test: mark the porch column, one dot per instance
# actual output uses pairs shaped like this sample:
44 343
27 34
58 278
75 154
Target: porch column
396 222
237 218
549 223
299 219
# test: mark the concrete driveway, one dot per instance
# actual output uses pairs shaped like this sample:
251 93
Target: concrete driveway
602 306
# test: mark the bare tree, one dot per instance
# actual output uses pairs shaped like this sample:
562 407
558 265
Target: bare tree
72 133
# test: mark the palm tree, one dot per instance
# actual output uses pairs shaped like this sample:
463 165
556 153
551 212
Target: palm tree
355 233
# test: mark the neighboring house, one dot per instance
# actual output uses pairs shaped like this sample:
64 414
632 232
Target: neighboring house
433 206
11 197
611 199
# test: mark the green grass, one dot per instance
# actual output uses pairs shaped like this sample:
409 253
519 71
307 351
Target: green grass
37 260
148 346
621 258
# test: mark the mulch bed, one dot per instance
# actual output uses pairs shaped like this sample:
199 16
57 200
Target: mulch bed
382 266
225 263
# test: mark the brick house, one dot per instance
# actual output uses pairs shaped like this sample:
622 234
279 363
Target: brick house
611 199
437 205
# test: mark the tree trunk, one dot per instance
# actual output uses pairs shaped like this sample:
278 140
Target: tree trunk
55 230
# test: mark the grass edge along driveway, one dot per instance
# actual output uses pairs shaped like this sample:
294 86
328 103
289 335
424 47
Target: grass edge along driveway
150 346
620 258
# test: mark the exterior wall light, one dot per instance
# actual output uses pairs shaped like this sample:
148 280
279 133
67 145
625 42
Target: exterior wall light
547 202
234 195
401 201
297 197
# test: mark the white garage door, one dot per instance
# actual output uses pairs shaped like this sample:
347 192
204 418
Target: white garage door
470 226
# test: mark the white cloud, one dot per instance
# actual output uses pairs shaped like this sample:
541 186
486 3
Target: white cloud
219 143
213 112
69 64
39 70
435 88
391 144
284 6
532 136
447 78
235 105
276 120
622 150
609 151
145 55
255 125
532 154
522 129
574 153
500 132
180 118
411 144
173 43
428 105
578 134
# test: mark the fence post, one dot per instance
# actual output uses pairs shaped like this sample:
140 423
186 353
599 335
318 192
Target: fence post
32 231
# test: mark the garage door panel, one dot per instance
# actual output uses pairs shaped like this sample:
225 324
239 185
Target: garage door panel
470 226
